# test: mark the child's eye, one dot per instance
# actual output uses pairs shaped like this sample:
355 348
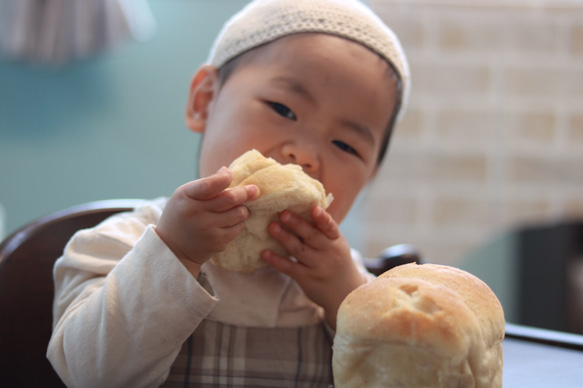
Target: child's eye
283 111
345 147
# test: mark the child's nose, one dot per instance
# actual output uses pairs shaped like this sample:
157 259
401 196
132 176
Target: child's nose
305 156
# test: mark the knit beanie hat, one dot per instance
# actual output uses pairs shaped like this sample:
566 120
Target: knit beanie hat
263 21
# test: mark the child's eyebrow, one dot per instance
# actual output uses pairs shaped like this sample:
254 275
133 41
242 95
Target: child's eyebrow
294 86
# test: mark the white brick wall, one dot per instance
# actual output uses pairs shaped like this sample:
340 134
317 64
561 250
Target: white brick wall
494 134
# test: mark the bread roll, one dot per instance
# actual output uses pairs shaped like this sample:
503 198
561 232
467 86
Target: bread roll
420 326
281 187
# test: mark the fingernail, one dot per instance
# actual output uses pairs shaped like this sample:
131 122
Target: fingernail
253 191
286 216
221 169
317 211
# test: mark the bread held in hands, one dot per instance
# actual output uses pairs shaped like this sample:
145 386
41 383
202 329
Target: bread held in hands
420 326
281 187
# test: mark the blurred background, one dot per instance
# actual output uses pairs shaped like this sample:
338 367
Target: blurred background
485 172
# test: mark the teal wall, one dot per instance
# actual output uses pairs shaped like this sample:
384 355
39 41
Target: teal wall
108 127
495 263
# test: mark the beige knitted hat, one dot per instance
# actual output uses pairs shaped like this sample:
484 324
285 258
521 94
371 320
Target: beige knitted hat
263 21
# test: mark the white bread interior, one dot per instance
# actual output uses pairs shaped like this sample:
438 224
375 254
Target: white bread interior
420 326
281 187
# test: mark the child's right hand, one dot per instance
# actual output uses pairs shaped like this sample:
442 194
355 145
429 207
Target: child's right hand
203 216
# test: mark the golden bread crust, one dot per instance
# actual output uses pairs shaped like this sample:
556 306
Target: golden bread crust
420 326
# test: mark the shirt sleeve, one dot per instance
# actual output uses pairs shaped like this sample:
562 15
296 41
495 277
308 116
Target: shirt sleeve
124 305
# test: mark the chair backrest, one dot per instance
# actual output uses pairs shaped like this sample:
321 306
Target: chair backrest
26 290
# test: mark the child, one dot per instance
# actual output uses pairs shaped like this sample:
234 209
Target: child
318 83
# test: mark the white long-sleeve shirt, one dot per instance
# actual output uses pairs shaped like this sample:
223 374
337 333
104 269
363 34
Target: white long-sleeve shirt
125 307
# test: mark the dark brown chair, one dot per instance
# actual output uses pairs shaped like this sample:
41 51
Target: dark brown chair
26 287
26 290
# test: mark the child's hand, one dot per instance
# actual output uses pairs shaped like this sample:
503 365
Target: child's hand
324 267
203 216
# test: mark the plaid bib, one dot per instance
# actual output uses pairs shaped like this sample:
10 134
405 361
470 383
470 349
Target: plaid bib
222 355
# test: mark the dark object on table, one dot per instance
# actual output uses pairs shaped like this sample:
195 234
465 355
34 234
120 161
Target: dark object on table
392 257
550 270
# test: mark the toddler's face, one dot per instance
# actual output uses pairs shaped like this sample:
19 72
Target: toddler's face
316 100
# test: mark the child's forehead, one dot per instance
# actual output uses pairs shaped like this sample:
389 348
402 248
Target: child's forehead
303 62
300 62
265 21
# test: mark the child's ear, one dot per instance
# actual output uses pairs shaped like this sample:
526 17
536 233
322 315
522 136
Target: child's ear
202 91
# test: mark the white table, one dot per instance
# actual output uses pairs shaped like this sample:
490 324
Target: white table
537 358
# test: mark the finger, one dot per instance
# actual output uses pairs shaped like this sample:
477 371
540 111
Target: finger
232 231
232 217
217 239
291 243
282 264
231 198
325 223
305 230
206 188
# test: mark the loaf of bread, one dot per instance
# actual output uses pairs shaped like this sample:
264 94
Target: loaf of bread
420 326
281 187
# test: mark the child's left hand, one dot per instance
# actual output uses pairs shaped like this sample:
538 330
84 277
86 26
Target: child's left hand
324 268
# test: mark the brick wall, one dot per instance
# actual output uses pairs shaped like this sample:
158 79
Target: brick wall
493 137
